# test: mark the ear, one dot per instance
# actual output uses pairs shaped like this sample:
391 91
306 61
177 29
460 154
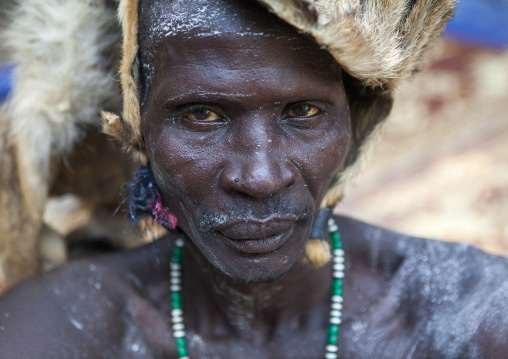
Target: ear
116 127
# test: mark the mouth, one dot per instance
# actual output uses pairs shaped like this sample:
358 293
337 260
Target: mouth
253 236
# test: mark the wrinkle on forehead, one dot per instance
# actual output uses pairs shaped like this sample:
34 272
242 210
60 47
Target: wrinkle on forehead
202 18
184 16
231 20
159 19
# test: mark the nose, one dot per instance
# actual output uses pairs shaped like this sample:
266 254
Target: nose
259 170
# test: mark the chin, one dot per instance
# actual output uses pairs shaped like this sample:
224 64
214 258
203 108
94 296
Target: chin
257 269
253 251
257 276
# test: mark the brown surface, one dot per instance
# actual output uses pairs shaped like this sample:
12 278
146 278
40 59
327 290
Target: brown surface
441 170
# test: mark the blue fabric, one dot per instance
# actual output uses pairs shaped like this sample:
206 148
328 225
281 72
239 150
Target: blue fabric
481 22
5 80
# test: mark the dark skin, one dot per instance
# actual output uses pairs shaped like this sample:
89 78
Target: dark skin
244 134
117 306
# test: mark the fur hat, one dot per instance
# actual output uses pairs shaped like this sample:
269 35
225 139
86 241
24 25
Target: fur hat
377 42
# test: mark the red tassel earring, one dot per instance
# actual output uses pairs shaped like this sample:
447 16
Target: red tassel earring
161 213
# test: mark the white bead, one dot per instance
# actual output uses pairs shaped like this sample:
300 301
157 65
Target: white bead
179 334
175 280
338 259
178 326
338 274
335 320
176 320
337 306
335 313
333 228
331 356
175 275
177 312
337 299
176 288
338 252
338 266
175 267
332 348
179 242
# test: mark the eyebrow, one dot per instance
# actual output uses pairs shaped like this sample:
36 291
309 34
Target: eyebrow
211 97
207 96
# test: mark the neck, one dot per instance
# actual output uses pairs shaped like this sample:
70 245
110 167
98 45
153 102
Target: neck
246 310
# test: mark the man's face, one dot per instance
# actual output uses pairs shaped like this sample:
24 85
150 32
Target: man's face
245 130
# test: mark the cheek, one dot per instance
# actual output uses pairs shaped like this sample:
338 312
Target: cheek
183 168
321 160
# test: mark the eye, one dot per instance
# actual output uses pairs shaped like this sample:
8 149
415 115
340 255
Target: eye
304 110
202 114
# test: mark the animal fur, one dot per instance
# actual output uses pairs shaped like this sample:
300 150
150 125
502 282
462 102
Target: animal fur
378 42
65 52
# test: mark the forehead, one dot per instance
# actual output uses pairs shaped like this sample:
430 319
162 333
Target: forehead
224 32
171 17
164 19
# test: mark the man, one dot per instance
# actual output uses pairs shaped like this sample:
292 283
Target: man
248 128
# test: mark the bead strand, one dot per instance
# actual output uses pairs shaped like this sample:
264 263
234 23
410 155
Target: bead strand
336 295
336 291
176 300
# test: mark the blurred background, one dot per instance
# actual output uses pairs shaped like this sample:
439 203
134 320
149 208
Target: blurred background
441 170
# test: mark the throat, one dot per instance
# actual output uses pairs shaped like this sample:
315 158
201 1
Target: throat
216 303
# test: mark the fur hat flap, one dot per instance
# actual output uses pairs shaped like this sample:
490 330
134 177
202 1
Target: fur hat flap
376 41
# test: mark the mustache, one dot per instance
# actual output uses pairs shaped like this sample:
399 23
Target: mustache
273 207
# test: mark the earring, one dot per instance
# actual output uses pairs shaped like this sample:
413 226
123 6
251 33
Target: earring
161 214
144 199
317 250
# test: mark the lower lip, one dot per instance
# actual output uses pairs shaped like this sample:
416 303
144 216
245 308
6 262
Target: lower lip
259 246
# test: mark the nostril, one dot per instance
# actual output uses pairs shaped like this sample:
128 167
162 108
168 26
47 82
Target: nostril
258 176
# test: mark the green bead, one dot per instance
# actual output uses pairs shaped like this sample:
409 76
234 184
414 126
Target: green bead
176 298
180 342
332 340
337 286
333 329
336 241
182 352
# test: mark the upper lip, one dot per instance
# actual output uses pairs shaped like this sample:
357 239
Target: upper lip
257 229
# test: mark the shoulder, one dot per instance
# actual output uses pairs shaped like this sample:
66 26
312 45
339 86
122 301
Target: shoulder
58 311
453 296
460 293
427 257
80 303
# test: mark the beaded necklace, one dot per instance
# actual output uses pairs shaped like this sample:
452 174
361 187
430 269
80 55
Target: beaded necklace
336 295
